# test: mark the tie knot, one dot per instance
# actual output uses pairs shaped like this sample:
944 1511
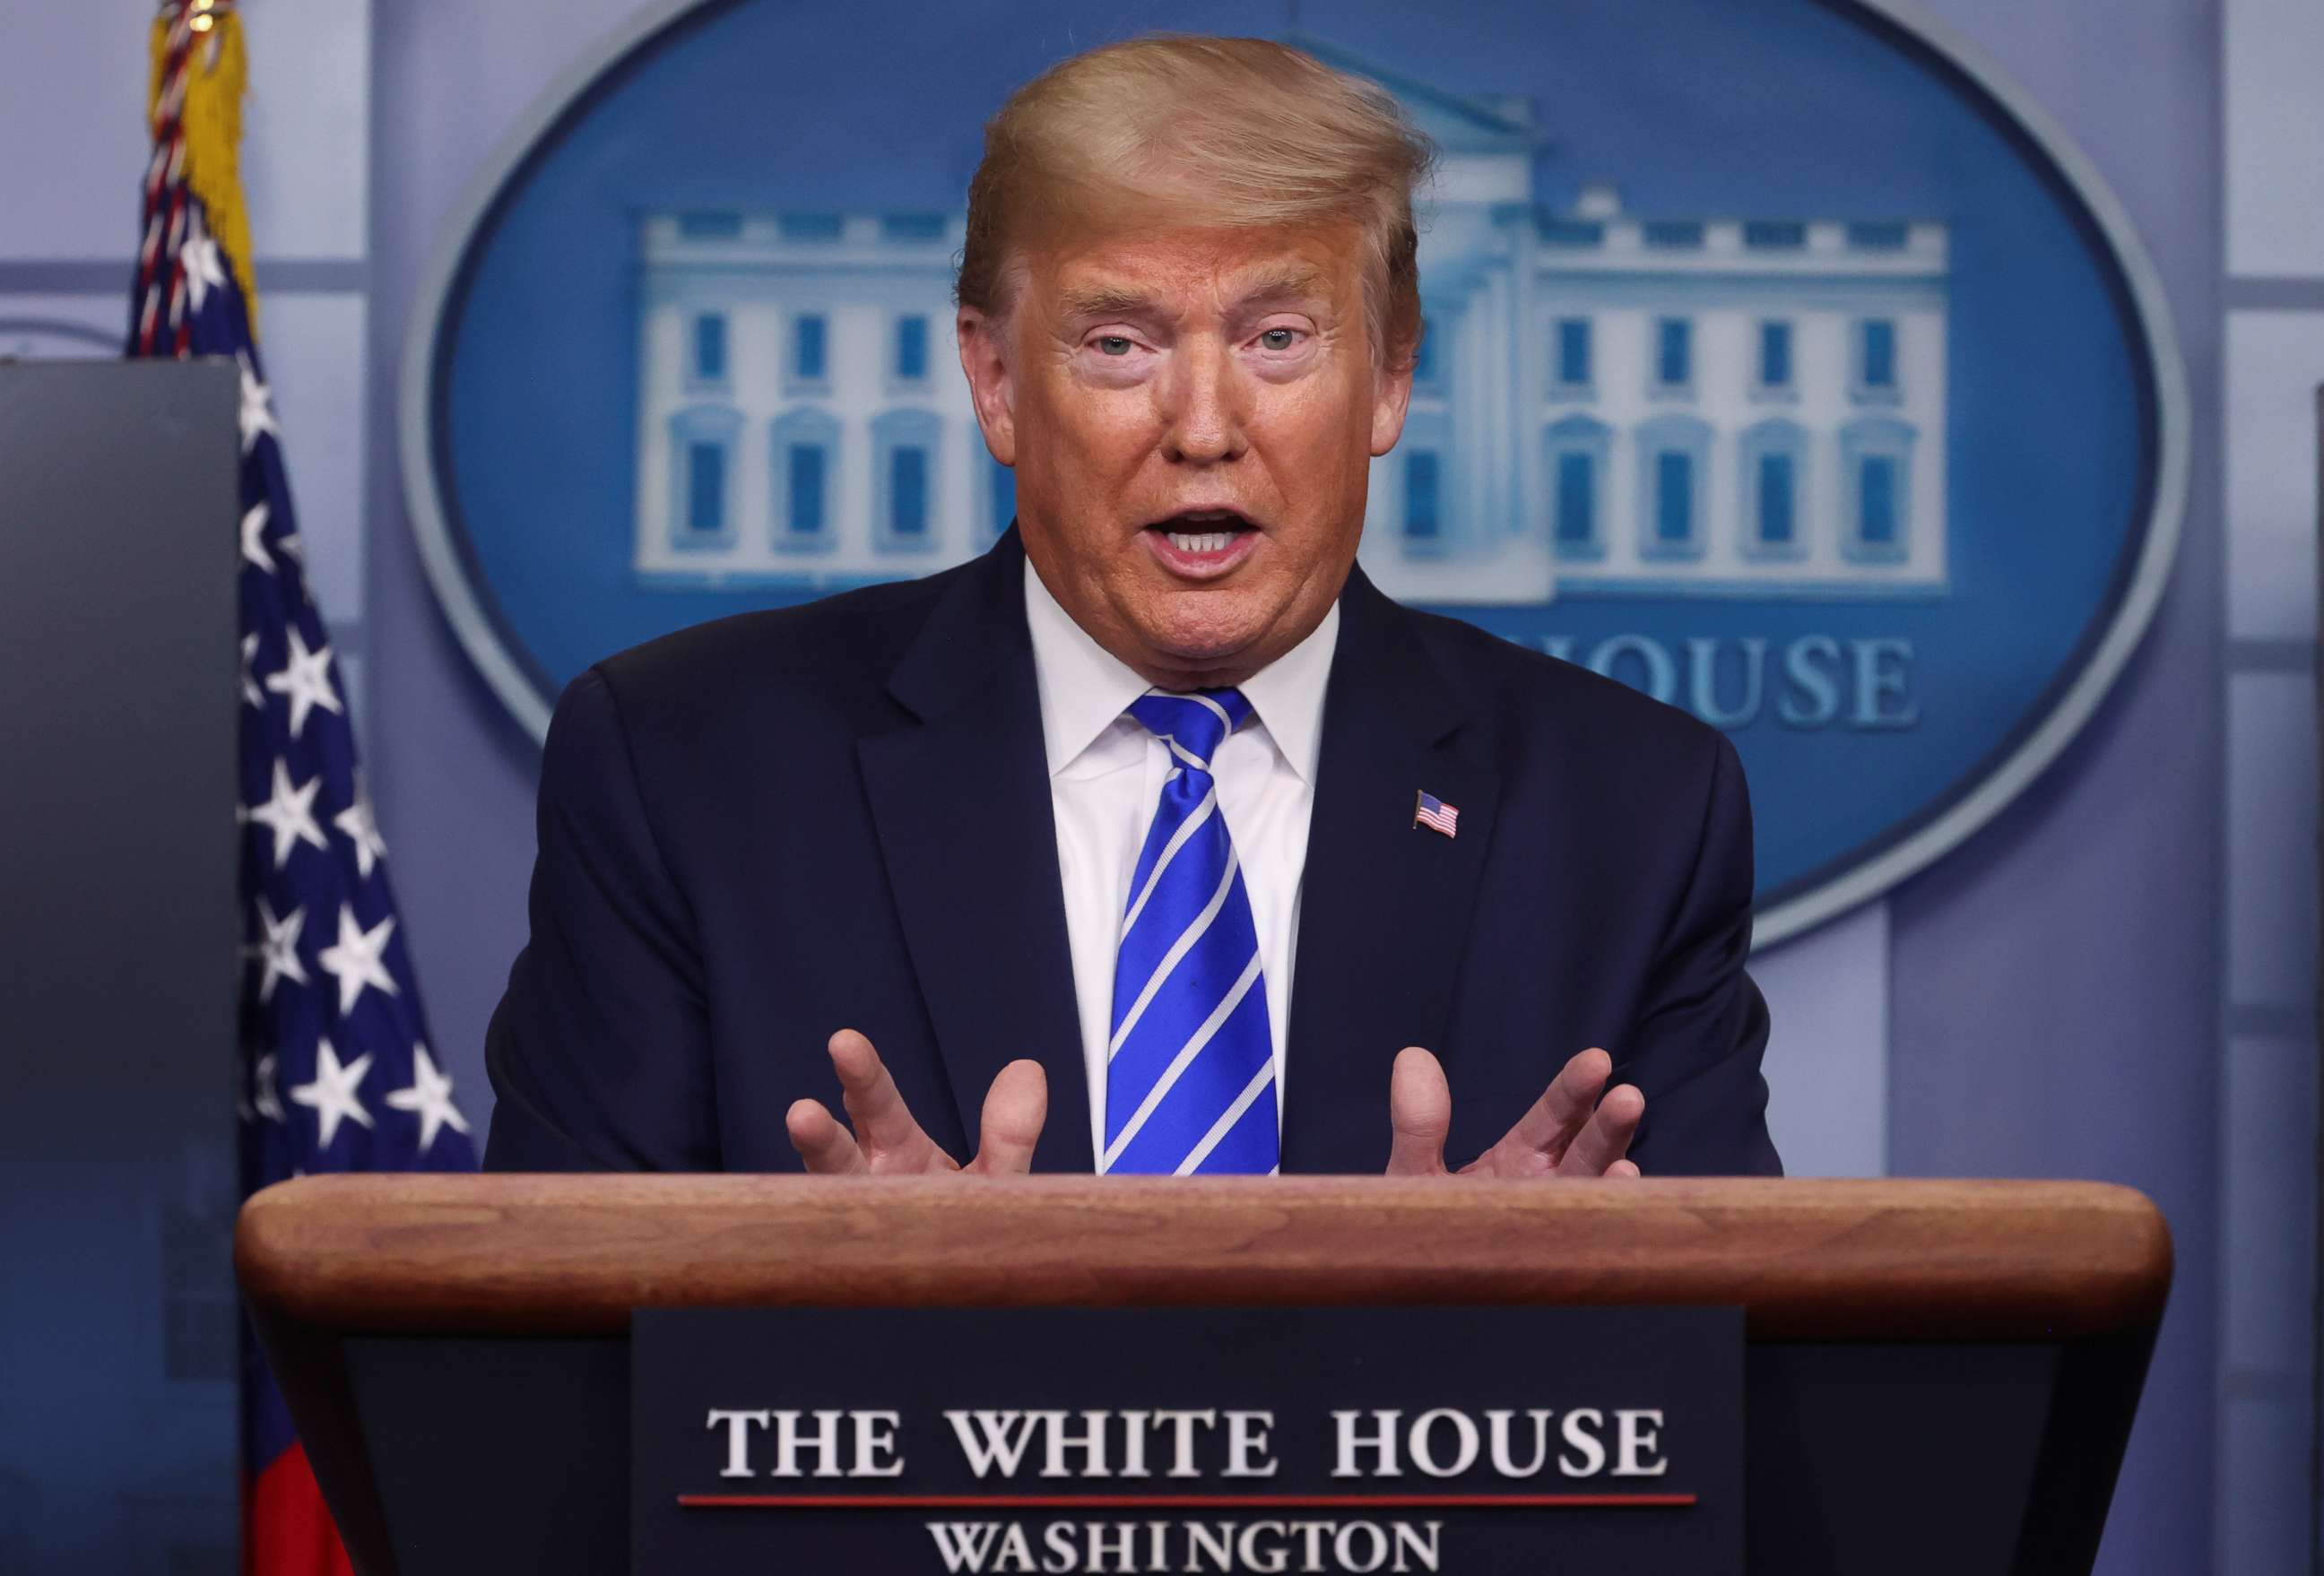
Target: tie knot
1194 725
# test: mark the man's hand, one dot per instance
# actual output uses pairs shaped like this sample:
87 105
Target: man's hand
1569 1131
889 1142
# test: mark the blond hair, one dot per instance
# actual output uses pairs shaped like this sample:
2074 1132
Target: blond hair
1184 130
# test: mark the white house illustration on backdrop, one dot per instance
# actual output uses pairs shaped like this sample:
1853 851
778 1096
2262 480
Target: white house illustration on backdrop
1605 404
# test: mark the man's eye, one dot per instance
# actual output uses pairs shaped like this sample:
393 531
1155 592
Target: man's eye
1278 339
1114 344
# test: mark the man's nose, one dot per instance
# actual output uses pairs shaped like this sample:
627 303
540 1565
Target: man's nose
1204 402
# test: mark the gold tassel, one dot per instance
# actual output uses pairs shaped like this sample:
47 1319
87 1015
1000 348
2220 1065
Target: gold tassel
215 76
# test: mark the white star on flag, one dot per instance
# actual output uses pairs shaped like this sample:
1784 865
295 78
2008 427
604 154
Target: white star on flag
430 1096
203 270
306 680
250 693
361 828
290 814
268 1101
332 1096
356 960
254 534
278 953
257 413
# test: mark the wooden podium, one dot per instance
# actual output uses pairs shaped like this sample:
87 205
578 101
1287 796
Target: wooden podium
1939 1377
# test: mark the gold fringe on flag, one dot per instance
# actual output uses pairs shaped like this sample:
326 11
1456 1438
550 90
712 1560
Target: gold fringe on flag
216 72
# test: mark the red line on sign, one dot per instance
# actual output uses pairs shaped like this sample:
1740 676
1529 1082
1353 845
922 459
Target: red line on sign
1182 1501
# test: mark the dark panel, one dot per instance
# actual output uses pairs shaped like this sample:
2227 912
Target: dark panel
1904 1460
117 964
1908 1461
495 1456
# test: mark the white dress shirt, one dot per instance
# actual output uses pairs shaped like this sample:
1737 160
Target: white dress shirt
1106 773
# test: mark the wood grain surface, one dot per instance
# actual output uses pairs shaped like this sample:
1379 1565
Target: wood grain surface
1809 1259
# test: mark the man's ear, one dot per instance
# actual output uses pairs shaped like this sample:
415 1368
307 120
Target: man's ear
1391 398
984 358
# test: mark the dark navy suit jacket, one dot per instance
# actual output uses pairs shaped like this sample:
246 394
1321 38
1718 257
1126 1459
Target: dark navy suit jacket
761 829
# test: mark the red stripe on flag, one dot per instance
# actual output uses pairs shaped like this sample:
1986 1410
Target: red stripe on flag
287 1530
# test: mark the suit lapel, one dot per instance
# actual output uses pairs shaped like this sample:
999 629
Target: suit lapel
960 799
1385 905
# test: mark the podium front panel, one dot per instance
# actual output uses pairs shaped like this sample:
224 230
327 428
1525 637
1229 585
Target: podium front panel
1938 1376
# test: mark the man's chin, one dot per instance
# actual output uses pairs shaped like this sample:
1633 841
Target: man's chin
1209 646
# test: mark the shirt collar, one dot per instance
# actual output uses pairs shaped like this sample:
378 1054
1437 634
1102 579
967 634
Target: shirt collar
1288 693
1085 688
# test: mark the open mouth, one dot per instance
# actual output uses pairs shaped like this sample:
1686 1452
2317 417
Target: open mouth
1204 534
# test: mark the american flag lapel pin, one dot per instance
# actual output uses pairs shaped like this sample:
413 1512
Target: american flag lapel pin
1434 813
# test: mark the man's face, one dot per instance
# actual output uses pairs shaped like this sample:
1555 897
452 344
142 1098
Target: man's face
1191 414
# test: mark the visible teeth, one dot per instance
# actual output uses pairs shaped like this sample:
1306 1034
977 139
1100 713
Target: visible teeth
1209 541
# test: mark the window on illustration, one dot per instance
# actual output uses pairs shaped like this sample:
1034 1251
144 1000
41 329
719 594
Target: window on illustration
1420 476
911 348
1673 353
806 488
807 347
908 492
1875 515
1777 527
1673 497
1573 351
1775 356
710 347
705 488
1879 354
1577 499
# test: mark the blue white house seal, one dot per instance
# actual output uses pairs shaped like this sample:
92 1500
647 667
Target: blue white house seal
1781 361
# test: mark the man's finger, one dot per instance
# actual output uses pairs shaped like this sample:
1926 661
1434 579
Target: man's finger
828 1148
883 1123
1551 1123
1419 1114
1606 1138
1015 1107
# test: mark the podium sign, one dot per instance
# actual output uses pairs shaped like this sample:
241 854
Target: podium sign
1272 1440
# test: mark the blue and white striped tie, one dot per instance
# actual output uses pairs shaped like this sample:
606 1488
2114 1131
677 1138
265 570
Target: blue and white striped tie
1190 1074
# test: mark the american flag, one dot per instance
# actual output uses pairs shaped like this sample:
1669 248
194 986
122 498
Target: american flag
1428 810
335 1073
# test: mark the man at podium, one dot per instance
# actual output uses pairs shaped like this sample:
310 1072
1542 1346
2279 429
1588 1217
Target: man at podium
1157 839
